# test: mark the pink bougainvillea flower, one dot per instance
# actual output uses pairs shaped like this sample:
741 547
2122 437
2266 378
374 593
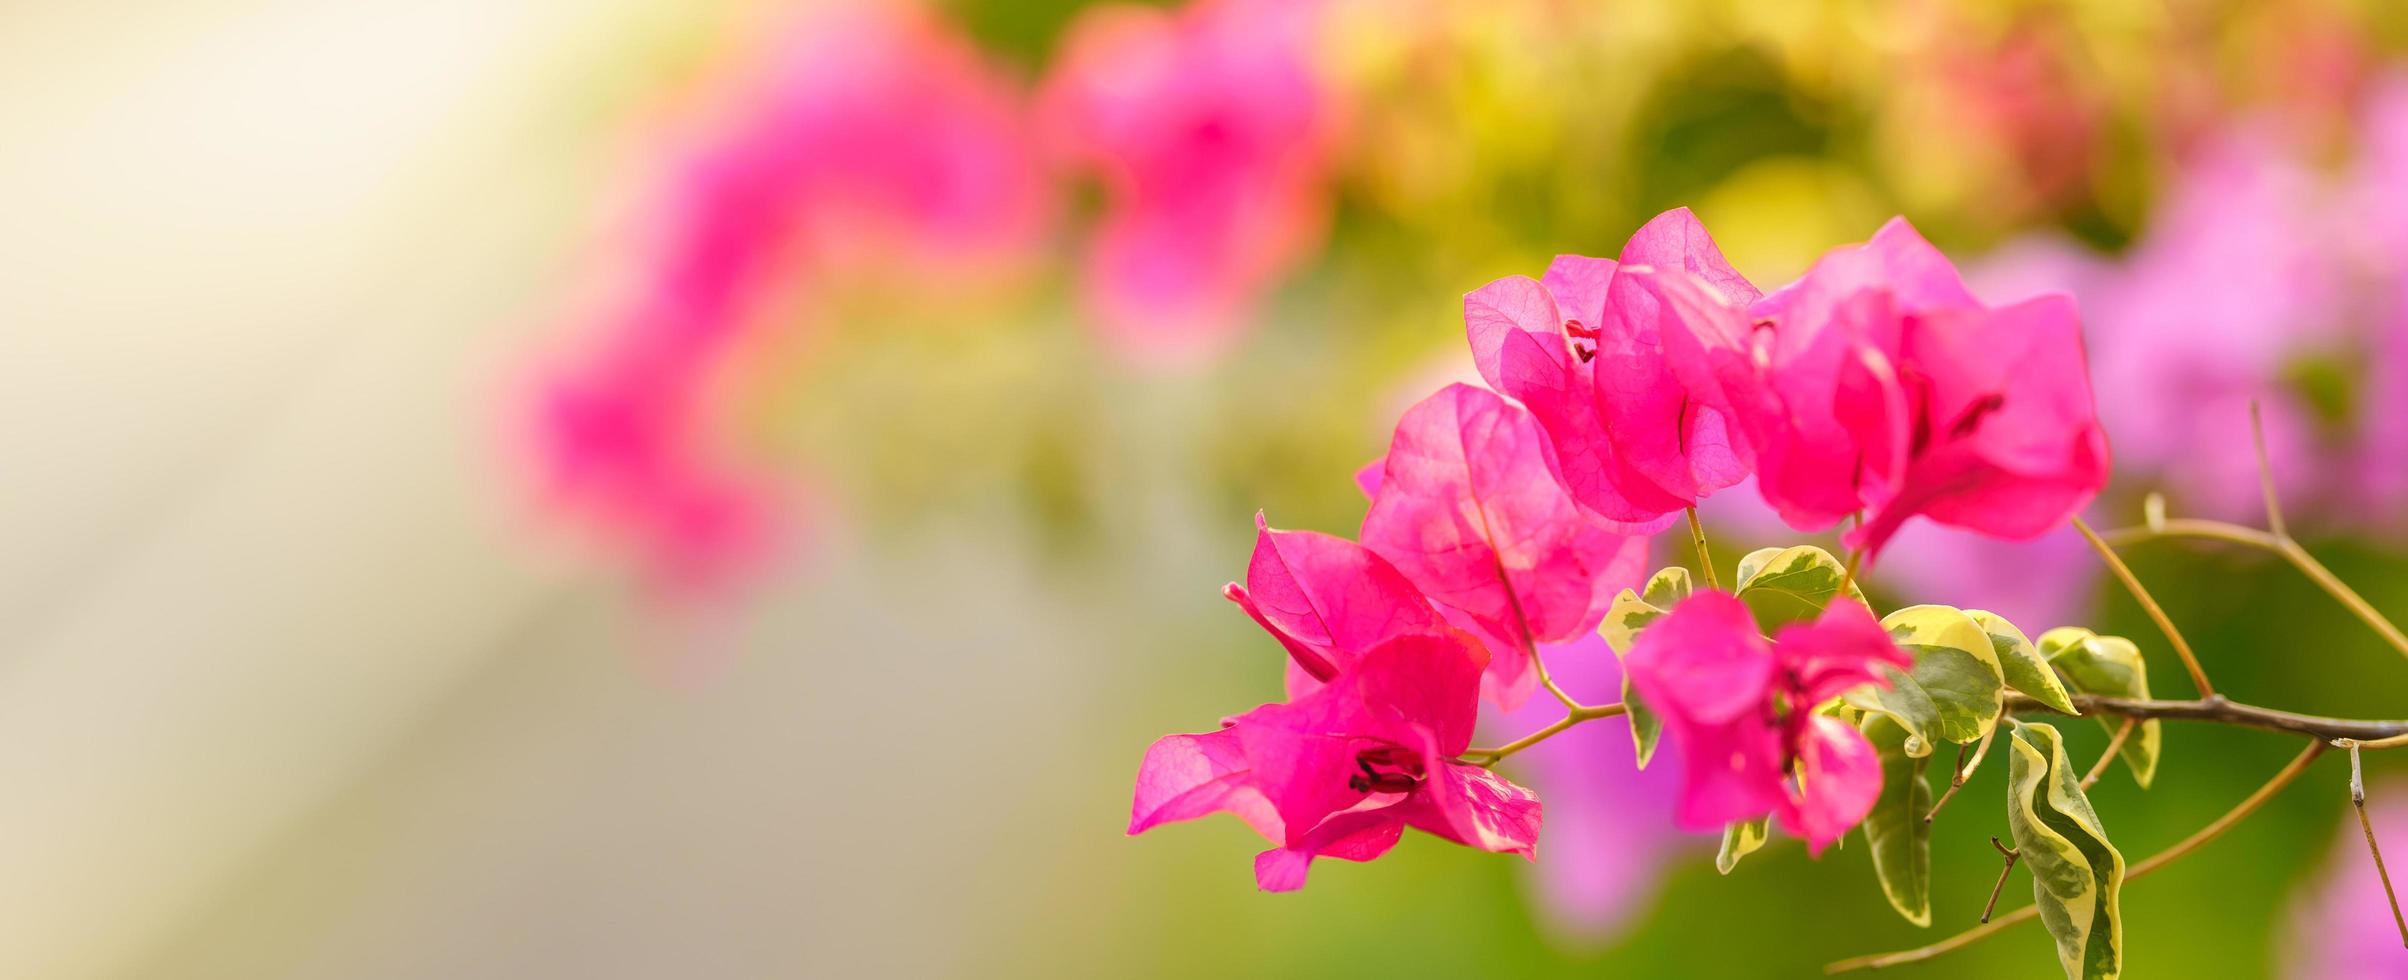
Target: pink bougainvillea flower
1742 711
869 134
1342 770
1879 384
1609 824
1467 509
1585 353
1326 600
1212 131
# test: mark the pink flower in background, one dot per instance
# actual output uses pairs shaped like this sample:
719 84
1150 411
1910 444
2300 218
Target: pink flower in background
1341 771
1630 437
1211 132
2341 926
2377 198
873 135
1326 600
1467 510
1741 711
1609 824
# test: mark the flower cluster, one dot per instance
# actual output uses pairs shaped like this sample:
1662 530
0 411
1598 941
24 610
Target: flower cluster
1502 522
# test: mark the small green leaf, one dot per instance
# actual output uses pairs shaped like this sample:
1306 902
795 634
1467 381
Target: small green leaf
1787 585
1895 831
2021 662
2077 876
1740 840
2109 666
1631 612
1955 688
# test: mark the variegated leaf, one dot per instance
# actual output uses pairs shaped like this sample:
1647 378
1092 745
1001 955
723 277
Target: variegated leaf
1631 612
1740 840
2077 876
1955 688
2109 666
1787 585
1895 831
2020 661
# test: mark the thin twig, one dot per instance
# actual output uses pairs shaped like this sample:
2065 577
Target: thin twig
2011 854
2290 551
2274 507
1578 714
2357 798
1570 703
2281 779
1964 771
2149 604
2114 745
2373 733
1705 559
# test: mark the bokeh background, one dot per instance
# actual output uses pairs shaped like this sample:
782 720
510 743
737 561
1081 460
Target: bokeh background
623 488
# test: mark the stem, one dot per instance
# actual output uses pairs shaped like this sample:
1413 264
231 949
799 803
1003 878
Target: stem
2357 799
2114 745
2290 551
2156 612
1570 703
2012 854
1578 714
1964 771
2275 785
2274 507
1705 559
2371 733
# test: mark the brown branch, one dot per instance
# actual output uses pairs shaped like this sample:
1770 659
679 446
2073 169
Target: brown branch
2148 604
2371 733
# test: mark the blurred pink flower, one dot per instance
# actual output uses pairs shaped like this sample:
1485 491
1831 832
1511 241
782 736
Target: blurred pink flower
2341 926
1341 771
1467 510
1211 132
1740 708
871 136
1609 823
2377 198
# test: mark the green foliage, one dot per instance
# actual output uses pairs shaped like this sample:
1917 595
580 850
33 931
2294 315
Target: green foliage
2025 670
1631 612
2077 876
1740 840
1955 688
1895 831
1786 585
2110 666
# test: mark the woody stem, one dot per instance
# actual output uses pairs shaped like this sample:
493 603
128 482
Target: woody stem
1578 714
2149 604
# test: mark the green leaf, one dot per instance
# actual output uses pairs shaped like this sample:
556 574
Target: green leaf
1895 831
1740 840
1787 585
1631 612
2077 876
1955 688
2021 662
2109 666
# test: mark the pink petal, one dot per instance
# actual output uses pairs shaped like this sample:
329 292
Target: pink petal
1518 343
1188 776
1469 512
1422 682
1841 649
1704 662
1475 807
1841 776
1326 599
1351 836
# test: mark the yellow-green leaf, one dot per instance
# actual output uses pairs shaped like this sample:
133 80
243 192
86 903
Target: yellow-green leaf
1895 831
2077 876
2020 661
1955 688
1786 585
1631 612
1740 840
2109 666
